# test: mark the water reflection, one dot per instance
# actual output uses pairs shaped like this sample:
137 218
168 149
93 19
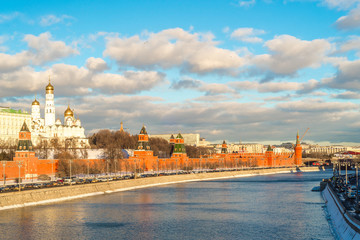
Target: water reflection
264 207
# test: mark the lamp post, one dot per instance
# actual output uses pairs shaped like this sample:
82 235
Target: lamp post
52 168
115 166
357 188
135 169
19 180
70 171
346 175
176 166
4 165
88 163
157 173
107 170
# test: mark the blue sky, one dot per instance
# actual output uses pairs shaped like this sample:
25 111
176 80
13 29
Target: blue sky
250 71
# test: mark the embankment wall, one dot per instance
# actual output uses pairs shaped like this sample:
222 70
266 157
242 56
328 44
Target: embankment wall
49 195
346 226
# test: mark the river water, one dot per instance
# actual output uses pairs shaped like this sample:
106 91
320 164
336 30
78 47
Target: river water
262 207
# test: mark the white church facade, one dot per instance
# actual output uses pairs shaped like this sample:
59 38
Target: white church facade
47 129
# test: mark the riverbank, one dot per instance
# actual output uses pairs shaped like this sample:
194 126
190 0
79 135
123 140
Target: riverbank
343 220
51 195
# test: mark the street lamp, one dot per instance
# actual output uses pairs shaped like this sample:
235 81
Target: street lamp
135 169
19 180
157 173
176 166
107 169
52 168
357 188
4 165
70 171
115 166
88 163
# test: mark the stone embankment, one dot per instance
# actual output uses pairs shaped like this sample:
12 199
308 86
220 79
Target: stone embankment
50 195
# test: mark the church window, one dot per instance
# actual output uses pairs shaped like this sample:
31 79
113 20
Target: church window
25 155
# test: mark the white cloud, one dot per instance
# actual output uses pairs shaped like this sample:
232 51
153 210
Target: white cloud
347 76
247 3
350 21
44 50
176 47
275 87
316 105
129 83
215 88
341 4
210 89
247 35
347 95
11 62
96 64
8 17
352 44
290 54
52 19
41 50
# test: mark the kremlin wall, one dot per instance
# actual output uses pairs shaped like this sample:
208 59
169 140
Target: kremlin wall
31 167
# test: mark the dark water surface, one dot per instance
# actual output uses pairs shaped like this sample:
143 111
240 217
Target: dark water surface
262 207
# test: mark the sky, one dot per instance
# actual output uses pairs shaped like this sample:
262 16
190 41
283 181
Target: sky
248 70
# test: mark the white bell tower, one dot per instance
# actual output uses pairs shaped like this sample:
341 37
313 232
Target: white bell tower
49 105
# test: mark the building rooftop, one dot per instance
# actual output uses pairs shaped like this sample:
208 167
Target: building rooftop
9 110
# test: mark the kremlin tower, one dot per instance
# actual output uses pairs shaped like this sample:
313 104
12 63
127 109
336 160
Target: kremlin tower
179 147
298 152
25 154
143 155
224 147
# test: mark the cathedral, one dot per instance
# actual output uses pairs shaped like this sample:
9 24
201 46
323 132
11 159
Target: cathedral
47 129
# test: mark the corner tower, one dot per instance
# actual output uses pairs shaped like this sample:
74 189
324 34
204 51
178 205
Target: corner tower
49 105
298 152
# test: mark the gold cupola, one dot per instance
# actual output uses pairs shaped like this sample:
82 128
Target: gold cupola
35 102
68 112
49 88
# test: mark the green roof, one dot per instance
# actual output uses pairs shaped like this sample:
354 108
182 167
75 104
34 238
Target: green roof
9 110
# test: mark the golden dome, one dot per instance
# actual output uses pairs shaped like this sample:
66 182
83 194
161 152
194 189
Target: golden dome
49 87
35 102
68 112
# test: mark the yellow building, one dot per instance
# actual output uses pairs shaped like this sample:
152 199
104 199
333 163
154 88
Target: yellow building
11 122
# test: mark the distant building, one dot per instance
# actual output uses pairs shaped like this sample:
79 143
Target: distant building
11 122
326 149
189 138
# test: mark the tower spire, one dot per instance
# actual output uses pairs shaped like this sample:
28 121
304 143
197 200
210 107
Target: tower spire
297 138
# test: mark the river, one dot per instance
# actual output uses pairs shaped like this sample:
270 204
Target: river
277 206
